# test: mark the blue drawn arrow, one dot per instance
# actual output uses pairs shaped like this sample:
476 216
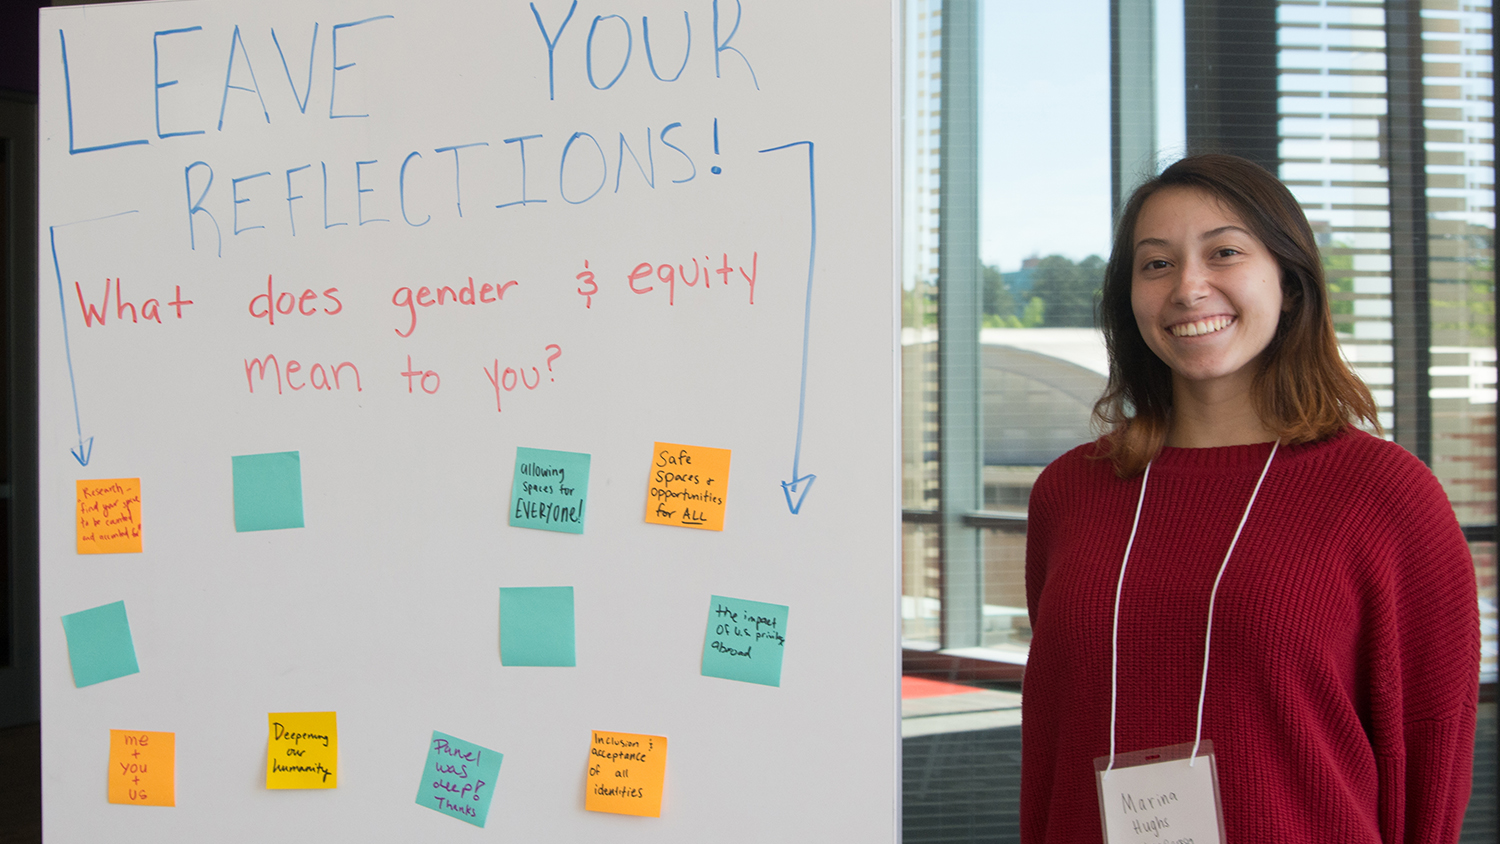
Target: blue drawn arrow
794 498
85 448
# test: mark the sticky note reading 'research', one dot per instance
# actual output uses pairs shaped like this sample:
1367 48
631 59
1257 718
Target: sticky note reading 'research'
109 516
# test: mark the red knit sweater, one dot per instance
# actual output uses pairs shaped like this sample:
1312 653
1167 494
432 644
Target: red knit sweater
1344 674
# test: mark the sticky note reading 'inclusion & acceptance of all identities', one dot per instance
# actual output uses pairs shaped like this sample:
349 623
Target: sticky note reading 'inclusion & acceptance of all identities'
109 516
459 779
626 772
303 750
142 768
689 485
549 490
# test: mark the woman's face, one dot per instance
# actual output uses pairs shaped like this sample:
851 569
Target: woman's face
1205 291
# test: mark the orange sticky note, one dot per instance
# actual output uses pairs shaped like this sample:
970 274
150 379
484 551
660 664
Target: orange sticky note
142 768
689 485
303 750
109 516
626 772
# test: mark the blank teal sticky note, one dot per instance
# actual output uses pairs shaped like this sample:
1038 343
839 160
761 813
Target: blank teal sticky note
745 640
549 490
99 644
459 779
268 491
536 625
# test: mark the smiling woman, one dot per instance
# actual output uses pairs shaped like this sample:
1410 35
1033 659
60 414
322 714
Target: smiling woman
1261 657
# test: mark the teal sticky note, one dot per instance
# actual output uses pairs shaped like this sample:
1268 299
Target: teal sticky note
745 640
99 644
459 779
536 625
268 491
549 490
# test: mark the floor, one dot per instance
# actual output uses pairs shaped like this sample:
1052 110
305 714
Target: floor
21 784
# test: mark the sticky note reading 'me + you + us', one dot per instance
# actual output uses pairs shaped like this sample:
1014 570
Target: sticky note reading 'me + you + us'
549 490
303 750
109 516
626 773
689 486
142 768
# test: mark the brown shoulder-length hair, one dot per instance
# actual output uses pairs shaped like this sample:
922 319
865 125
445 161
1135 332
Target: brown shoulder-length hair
1303 391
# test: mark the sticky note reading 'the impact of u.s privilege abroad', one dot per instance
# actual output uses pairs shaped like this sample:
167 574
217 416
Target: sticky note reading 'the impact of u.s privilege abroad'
142 768
459 779
109 516
303 750
626 773
549 490
689 486
745 640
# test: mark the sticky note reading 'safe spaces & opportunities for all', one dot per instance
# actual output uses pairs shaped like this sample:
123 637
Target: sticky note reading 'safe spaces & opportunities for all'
689 486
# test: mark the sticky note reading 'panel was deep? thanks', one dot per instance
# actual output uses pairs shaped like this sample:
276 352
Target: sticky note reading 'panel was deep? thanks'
142 768
626 773
302 750
109 516
689 486
459 779
549 490
745 640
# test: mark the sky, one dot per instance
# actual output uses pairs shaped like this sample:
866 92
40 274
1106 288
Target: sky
1044 165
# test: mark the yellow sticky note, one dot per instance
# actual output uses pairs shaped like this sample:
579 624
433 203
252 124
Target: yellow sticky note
626 772
303 750
689 485
109 516
142 767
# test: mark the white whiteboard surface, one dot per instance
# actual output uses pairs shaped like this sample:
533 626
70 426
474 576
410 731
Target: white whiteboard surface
384 607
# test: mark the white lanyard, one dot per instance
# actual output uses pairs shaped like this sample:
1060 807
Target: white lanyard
1114 668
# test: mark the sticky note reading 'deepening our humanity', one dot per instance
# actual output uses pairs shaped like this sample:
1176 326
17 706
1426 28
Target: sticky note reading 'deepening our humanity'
689 486
303 750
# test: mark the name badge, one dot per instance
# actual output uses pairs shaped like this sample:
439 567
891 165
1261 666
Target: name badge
1164 795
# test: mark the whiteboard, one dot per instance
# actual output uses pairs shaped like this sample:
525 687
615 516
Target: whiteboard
350 154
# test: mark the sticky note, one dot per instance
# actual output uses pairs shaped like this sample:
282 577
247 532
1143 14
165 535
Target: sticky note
626 772
109 516
549 490
303 750
744 641
142 768
689 485
459 779
268 491
99 644
536 625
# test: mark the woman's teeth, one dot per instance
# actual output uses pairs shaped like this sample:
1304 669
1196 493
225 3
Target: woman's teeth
1202 326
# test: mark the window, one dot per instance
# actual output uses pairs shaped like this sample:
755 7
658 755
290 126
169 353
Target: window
1025 126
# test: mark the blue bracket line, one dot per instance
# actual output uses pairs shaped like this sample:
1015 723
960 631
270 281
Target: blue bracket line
794 498
85 448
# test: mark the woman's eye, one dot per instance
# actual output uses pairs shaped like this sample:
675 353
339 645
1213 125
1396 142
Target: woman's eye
1226 252
1157 264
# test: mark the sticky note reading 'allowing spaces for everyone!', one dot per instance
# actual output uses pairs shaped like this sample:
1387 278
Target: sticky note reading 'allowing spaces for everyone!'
626 773
303 750
268 491
109 516
459 779
99 644
549 490
745 640
142 768
689 485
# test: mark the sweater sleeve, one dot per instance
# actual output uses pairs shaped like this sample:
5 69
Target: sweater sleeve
1041 514
1434 662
